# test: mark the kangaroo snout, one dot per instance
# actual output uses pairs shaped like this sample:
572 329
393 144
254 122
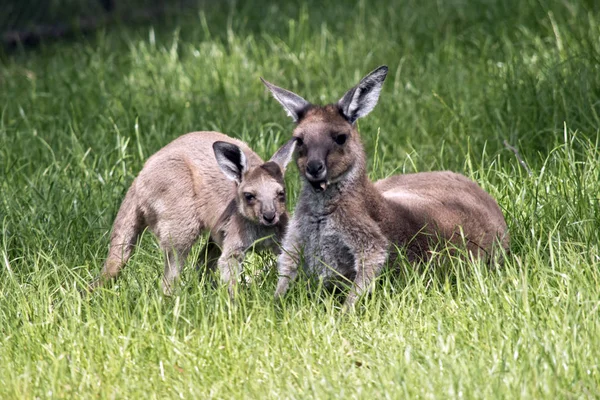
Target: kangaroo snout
316 174
269 217
315 170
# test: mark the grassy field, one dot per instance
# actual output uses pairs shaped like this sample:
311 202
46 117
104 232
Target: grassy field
79 117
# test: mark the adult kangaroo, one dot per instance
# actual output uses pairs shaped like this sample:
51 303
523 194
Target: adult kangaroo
345 225
203 181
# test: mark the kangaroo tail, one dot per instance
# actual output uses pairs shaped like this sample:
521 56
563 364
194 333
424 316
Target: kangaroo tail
125 232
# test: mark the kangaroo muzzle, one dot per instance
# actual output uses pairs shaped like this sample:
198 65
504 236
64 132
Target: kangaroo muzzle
316 173
268 217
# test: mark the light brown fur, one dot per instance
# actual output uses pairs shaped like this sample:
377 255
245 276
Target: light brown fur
183 190
345 225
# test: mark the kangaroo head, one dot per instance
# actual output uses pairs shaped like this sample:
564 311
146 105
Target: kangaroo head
260 195
329 147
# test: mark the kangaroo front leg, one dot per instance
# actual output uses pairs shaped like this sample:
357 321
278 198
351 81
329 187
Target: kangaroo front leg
287 267
288 261
368 265
174 261
230 267
209 257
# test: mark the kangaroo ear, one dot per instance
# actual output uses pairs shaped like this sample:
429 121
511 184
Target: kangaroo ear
362 99
283 156
293 104
231 160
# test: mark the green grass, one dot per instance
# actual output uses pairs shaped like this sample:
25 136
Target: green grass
78 119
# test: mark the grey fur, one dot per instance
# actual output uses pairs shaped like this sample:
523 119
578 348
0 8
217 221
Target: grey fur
346 226
182 191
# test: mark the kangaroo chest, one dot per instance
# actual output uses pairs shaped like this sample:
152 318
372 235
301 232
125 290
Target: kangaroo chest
327 252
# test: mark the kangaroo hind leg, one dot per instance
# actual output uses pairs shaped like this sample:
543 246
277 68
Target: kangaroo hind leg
177 245
126 231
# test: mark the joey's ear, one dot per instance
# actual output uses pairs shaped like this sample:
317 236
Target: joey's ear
283 156
231 160
361 99
293 104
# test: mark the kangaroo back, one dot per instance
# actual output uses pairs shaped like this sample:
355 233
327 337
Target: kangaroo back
444 204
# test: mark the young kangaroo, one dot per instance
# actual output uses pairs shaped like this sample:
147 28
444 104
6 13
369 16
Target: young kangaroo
344 225
202 181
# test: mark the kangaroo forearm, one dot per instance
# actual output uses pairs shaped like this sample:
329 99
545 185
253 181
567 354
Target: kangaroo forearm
287 268
367 267
230 267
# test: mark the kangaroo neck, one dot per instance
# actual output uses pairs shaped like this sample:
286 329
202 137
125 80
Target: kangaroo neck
354 188
326 201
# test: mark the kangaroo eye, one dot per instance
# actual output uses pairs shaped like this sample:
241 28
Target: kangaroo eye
249 197
281 196
340 139
299 142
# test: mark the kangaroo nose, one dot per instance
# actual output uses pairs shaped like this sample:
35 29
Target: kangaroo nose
269 216
315 168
